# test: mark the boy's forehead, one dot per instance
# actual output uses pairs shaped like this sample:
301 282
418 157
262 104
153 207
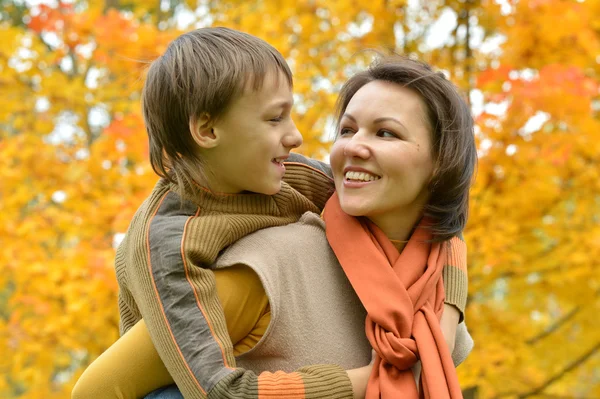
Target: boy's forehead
271 88
272 79
271 94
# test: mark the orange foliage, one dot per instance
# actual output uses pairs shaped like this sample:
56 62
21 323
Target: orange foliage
73 155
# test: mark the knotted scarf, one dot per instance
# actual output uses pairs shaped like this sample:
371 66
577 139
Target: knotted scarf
403 294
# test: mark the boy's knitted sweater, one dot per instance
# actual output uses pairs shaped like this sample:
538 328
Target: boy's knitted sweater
163 272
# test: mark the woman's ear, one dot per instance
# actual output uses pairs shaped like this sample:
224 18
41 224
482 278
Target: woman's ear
202 132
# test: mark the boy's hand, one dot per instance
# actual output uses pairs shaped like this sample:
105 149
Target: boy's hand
360 378
449 322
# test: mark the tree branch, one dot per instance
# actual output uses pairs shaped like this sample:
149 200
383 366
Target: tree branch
576 363
554 327
477 277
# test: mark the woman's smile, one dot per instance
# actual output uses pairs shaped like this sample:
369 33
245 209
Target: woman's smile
356 177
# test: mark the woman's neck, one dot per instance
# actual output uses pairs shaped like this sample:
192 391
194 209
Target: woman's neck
399 244
398 228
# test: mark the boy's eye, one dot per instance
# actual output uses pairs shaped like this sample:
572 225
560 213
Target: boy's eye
386 134
277 119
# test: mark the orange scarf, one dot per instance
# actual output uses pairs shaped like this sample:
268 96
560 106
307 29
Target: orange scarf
404 297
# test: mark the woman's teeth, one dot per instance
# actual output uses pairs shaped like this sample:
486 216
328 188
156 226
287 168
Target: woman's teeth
360 176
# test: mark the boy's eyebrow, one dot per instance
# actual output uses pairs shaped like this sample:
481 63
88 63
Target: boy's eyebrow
282 104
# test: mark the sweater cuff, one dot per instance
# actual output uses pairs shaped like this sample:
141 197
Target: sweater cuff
326 381
455 287
311 382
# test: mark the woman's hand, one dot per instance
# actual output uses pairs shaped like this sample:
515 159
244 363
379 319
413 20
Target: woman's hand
449 322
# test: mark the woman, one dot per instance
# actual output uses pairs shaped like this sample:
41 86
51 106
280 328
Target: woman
402 164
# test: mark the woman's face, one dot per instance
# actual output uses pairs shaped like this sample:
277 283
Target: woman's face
382 160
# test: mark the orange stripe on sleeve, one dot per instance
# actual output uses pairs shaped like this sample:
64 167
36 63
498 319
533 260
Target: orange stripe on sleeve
187 276
280 385
158 295
458 254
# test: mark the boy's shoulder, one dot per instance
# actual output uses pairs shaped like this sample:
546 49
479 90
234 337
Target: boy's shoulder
303 161
148 207
157 223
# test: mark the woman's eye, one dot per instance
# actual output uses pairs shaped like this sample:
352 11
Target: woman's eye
277 119
345 131
386 134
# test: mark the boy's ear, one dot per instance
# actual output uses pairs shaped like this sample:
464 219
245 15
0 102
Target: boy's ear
202 132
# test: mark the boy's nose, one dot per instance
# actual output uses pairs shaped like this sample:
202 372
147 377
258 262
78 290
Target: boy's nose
293 138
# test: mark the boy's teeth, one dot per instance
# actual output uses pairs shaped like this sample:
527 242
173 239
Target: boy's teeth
361 176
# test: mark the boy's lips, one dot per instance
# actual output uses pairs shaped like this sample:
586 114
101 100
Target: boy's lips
280 159
278 162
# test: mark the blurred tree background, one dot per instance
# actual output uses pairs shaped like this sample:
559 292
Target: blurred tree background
74 166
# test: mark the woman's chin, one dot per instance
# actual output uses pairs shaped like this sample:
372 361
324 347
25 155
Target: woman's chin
354 209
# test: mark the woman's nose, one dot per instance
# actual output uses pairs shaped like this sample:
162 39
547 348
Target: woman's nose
356 147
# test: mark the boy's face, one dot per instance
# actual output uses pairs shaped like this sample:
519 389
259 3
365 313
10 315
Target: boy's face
255 135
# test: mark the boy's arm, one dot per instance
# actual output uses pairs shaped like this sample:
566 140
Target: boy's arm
309 177
315 164
449 324
461 343
131 368
455 287
454 275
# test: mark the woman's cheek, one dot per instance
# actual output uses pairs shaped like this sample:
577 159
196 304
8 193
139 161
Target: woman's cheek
337 156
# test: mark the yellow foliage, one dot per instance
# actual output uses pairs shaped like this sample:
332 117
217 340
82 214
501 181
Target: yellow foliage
73 155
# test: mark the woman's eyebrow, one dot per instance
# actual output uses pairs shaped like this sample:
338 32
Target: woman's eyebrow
389 118
378 120
349 116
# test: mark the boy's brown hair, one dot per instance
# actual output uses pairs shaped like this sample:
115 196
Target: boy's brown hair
200 73
453 140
